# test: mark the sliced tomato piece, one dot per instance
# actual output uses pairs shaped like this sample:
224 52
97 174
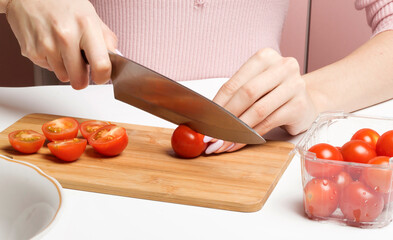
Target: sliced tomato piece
26 141
89 127
109 140
60 129
68 150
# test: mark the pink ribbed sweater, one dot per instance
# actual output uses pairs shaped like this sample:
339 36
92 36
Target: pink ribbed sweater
195 39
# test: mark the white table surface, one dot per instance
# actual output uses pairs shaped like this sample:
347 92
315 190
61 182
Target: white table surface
89 215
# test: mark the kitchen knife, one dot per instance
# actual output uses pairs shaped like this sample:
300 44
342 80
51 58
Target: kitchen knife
152 92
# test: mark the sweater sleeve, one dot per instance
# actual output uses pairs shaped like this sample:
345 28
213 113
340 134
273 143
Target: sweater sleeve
379 14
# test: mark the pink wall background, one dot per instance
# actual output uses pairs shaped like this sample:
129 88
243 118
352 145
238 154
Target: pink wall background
336 29
293 41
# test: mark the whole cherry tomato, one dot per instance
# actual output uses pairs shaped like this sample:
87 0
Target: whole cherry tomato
385 144
60 129
187 143
321 198
379 179
367 135
360 204
320 169
68 150
109 140
26 141
342 180
357 151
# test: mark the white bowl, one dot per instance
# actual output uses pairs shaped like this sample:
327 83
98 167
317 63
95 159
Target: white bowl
30 200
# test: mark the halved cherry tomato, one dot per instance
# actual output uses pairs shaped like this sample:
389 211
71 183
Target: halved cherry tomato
359 203
109 140
379 179
60 129
357 151
26 141
324 170
68 150
187 143
321 197
89 127
367 135
385 144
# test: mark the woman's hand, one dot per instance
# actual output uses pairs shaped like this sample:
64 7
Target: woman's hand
266 92
52 34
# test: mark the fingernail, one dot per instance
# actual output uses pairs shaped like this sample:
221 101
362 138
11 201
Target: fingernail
207 139
214 147
229 147
118 52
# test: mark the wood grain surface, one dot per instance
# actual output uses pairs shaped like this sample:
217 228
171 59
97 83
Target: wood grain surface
148 169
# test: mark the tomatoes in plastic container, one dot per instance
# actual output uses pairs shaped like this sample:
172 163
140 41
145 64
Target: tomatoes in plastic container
320 197
322 169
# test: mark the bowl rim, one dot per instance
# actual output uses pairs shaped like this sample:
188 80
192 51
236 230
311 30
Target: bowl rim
52 180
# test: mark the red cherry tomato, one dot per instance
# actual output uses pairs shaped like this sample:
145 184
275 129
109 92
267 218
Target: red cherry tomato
109 140
89 127
367 135
60 129
379 179
385 144
187 143
324 170
342 180
357 151
360 204
321 198
26 141
68 150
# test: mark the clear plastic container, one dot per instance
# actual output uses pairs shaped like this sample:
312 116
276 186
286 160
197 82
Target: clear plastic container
346 200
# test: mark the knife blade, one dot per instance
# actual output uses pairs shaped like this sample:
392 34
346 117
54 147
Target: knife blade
152 92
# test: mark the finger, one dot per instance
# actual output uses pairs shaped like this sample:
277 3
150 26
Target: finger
207 139
258 63
256 88
58 68
214 146
280 117
109 37
235 147
93 43
267 105
226 146
75 66
43 64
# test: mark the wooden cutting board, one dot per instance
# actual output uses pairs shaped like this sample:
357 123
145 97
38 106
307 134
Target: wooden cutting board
148 169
